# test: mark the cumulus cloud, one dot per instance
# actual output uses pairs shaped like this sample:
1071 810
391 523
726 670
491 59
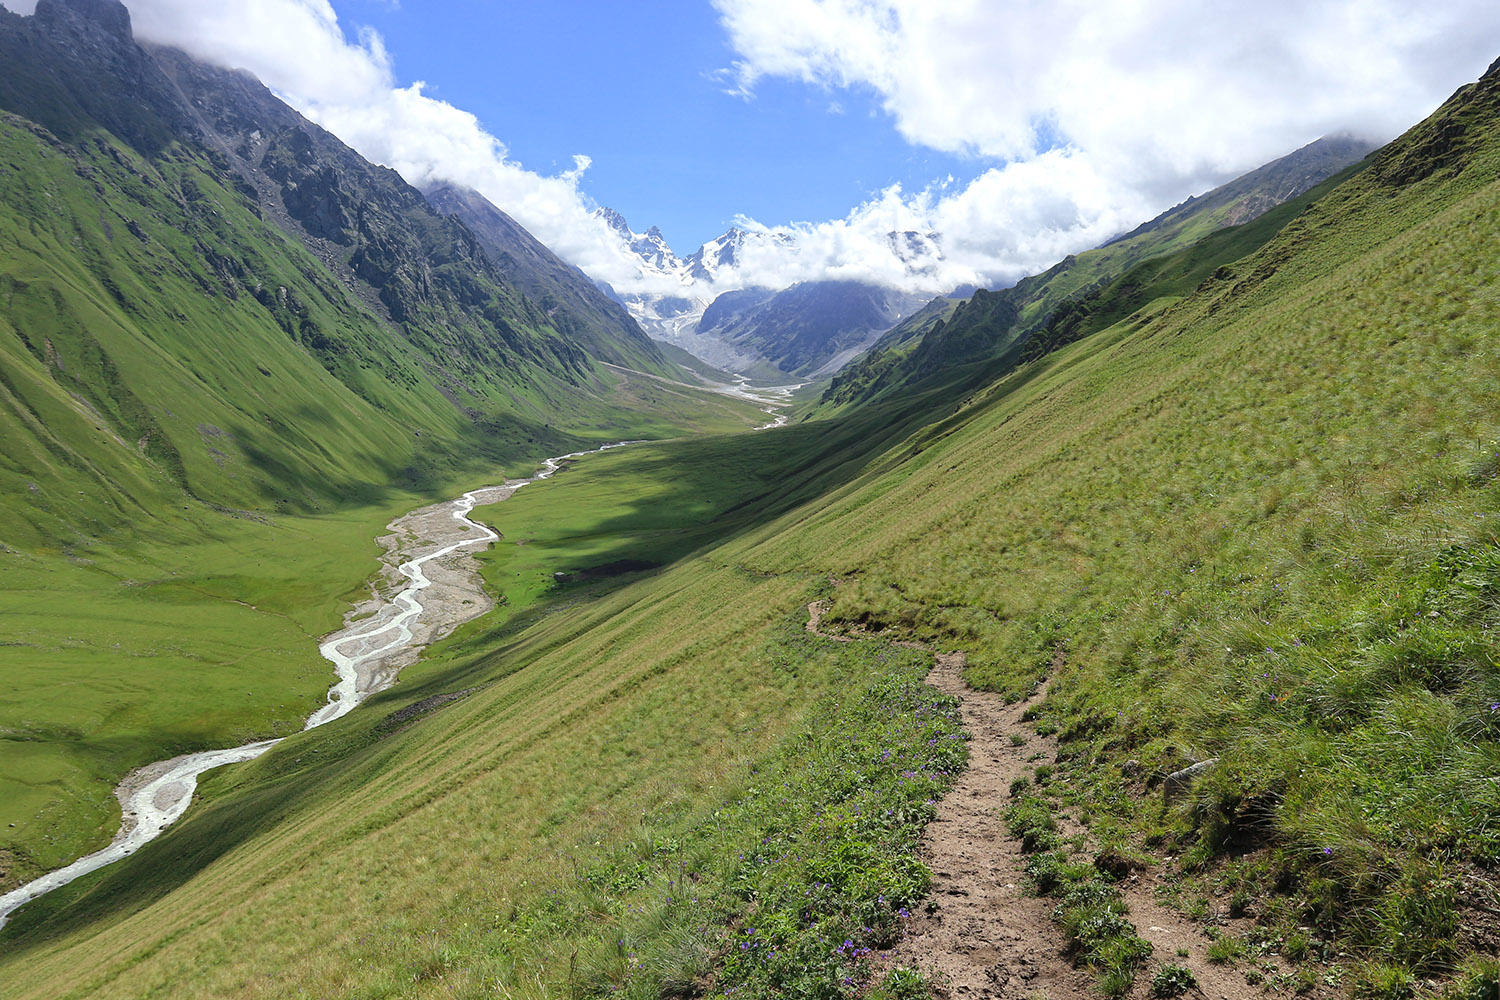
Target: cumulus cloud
1082 119
1091 117
1008 222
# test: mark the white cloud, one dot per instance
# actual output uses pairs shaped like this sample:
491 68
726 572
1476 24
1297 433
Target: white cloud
1097 116
1083 118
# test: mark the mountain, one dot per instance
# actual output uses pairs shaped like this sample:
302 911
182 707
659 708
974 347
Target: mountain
996 326
1233 558
651 246
1252 195
808 330
231 350
576 306
210 191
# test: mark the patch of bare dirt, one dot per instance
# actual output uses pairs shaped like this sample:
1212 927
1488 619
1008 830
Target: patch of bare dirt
984 935
987 937
1171 933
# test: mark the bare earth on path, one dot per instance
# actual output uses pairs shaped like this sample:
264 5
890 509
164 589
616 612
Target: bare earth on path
986 937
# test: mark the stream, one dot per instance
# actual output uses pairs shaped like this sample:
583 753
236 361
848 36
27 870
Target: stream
153 797
773 398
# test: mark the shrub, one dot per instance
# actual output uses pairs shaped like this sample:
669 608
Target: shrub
1030 820
1172 981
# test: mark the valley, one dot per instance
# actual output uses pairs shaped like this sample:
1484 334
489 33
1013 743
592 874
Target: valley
387 633
1128 630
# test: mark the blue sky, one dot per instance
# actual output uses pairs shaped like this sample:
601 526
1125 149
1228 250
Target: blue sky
1015 131
639 88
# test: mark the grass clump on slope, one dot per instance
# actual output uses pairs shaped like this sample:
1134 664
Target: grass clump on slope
788 887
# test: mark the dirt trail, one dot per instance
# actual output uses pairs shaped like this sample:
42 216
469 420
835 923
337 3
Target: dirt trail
1168 931
986 937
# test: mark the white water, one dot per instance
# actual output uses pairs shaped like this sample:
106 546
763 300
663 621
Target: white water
772 397
159 803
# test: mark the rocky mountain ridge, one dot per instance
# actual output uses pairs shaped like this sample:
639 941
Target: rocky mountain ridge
578 307
814 328
201 211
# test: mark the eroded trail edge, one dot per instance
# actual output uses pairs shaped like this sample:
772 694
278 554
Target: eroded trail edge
984 936
428 584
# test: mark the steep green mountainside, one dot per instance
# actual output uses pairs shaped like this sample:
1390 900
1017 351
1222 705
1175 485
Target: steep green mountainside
412 351
888 358
994 329
1170 276
1254 527
222 371
573 303
914 327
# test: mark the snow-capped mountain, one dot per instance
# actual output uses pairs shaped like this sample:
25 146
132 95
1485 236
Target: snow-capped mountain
713 263
687 285
717 260
651 246
721 272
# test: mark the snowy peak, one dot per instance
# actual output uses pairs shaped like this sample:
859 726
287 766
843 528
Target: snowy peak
711 263
716 256
614 220
706 308
650 247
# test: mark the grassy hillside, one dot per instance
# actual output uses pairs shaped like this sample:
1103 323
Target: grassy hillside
993 329
208 416
154 406
1169 276
1256 525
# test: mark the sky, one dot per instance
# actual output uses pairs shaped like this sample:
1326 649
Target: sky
1019 130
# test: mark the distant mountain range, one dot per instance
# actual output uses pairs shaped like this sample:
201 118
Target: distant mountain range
809 329
817 329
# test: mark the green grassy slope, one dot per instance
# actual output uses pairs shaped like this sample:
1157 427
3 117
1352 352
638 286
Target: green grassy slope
1237 203
1257 524
1169 276
886 360
172 437
990 332
208 417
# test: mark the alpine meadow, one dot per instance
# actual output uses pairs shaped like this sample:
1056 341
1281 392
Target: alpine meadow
1126 627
